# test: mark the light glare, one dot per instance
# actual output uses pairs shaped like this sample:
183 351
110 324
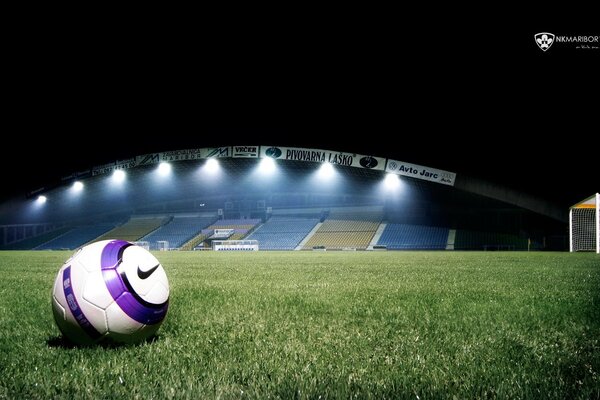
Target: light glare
326 171
77 186
212 165
267 165
41 199
118 176
164 169
392 181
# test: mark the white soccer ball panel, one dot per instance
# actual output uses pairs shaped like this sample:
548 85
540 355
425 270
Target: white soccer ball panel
158 293
119 322
95 291
57 291
72 257
95 315
59 302
67 324
143 333
79 276
58 310
90 256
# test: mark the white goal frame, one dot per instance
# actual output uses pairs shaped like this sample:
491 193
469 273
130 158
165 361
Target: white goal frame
585 212
143 244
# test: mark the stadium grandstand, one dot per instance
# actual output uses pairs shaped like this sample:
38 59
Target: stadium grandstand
177 231
284 199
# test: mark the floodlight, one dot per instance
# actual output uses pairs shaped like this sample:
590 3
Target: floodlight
326 171
77 186
164 169
212 165
392 181
41 199
118 176
267 165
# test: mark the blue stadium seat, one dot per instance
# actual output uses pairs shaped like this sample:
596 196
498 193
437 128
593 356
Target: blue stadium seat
76 237
413 237
178 231
283 233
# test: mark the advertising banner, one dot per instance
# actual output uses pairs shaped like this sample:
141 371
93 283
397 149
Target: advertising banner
119 164
181 155
245 151
323 156
420 172
217 152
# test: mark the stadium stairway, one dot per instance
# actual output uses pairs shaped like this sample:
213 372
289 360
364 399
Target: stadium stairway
337 234
193 242
178 231
377 235
451 239
307 238
283 233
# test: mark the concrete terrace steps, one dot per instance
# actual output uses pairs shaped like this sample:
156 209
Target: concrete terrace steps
377 235
307 238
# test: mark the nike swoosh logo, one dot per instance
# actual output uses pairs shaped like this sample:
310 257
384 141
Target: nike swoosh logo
146 274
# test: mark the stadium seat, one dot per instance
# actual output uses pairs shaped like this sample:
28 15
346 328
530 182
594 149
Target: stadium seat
76 237
178 231
413 237
346 230
283 233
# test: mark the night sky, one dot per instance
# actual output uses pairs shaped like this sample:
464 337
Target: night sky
503 111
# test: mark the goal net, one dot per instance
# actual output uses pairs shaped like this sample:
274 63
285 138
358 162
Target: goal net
142 243
584 225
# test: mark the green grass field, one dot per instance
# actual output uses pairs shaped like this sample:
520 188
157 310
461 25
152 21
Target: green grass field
324 325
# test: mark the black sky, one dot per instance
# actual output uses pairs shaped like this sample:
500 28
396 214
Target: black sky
505 111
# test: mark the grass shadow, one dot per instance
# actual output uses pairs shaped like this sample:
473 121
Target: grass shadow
60 342
64 343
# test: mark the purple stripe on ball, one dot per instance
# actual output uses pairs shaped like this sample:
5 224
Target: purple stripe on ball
140 313
77 312
122 292
112 253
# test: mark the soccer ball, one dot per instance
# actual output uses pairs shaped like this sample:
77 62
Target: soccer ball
112 291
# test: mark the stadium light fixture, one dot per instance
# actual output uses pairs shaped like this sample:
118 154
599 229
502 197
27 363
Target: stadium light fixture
326 171
77 186
212 165
164 169
118 176
41 199
267 166
392 181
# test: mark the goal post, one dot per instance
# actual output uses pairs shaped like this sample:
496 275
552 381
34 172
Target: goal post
584 225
